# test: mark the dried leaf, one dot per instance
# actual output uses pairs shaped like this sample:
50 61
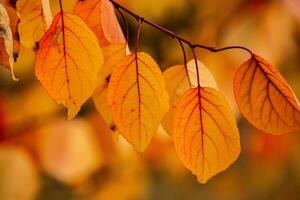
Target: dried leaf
7 42
205 134
265 98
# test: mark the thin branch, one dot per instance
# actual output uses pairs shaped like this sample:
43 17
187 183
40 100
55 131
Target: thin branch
174 35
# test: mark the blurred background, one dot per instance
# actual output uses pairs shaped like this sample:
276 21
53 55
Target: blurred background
45 157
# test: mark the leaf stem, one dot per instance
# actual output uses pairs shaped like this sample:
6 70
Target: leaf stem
138 35
174 35
185 62
196 65
125 23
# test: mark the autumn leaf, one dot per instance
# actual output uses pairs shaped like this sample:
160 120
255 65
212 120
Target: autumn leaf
177 83
265 98
68 62
100 16
33 23
205 134
137 97
112 55
6 40
70 158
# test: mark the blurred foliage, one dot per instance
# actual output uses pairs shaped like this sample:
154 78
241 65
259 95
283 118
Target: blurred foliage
43 156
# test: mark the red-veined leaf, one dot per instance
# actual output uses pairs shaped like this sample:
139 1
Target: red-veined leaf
265 98
138 99
177 83
68 62
205 134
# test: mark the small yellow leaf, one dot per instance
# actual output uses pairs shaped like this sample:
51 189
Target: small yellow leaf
32 25
138 98
112 55
100 16
68 62
177 83
265 98
205 134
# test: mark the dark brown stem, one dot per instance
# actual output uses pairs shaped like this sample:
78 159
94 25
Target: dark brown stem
185 61
61 6
174 35
138 35
197 67
125 23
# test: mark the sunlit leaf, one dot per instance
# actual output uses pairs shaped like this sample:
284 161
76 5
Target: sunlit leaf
205 134
177 83
68 62
100 17
265 98
33 24
138 98
112 55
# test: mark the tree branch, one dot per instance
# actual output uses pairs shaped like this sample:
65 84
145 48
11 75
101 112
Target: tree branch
173 34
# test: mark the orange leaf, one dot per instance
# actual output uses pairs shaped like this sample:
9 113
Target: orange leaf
68 62
265 98
137 96
112 55
100 17
177 83
205 134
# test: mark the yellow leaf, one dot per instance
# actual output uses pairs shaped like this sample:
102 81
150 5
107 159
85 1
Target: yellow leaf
68 62
100 17
32 25
205 134
265 98
177 83
112 55
138 99
206 77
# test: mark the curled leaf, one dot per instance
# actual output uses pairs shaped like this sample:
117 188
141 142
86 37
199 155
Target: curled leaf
137 97
265 98
7 41
205 134
68 62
